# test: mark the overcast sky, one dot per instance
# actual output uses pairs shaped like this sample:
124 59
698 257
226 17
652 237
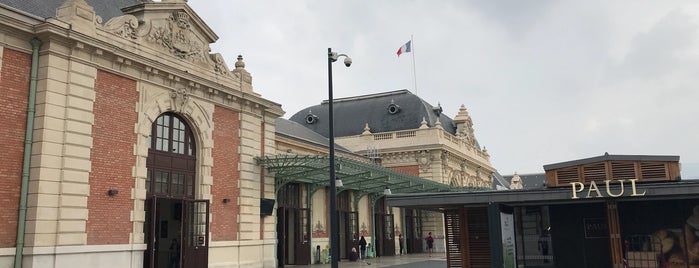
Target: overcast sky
544 81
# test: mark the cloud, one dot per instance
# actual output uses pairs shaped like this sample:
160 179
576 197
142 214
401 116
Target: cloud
545 81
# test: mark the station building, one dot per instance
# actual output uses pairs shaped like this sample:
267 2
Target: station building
388 142
127 142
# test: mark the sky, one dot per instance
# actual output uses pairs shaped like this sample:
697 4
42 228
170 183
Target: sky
544 81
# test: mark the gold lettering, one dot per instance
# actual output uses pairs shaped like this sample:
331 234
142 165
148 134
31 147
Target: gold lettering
633 189
593 187
575 192
609 191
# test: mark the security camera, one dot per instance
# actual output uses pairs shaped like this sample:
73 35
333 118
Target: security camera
348 61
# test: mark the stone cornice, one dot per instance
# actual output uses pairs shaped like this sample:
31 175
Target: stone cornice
127 57
18 19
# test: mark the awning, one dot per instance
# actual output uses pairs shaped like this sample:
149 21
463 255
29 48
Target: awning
355 175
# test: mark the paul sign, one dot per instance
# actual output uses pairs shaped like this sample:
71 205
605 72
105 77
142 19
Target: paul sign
594 192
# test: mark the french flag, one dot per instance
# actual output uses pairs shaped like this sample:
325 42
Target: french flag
405 48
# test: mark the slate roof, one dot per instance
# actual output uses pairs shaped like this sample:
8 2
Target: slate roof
297 131
351 114
106 9
499 180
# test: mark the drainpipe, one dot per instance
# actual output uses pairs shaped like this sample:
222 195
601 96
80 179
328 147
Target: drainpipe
21 222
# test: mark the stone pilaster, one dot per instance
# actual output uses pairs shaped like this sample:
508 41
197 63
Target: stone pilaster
59 182
250 147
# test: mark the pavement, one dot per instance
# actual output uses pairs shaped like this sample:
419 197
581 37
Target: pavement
438 260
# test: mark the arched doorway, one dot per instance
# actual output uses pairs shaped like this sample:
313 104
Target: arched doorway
383 224
413 229
349 226
176 224
293 227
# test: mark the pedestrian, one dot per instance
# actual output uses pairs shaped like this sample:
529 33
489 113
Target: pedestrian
174 254
400 244
430 243
362 248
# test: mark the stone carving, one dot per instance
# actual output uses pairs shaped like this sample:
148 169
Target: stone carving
319 230
177 36
179 98
124 26
424 160
220 66
363 231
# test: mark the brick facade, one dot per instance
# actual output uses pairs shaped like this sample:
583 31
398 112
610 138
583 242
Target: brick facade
410 170
14 87
112 158
225 174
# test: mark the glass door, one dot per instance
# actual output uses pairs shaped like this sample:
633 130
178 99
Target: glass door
196 238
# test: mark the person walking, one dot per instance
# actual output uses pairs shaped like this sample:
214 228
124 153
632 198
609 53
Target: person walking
174 254
362 248
400 244
430 243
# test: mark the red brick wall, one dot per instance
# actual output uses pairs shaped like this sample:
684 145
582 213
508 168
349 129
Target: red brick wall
112 160
225 174
410 170
14 89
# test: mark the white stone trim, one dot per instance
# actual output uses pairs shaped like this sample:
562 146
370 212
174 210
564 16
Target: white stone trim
7 252
82 249
154 101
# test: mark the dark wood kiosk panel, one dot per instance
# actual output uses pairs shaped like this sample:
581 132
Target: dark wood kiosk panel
608 211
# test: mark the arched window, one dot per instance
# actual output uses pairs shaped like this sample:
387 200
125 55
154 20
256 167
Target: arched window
172 135
171 158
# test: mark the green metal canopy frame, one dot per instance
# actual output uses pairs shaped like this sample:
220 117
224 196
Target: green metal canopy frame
355 175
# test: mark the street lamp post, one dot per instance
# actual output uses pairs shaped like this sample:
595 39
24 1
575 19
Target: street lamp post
334 232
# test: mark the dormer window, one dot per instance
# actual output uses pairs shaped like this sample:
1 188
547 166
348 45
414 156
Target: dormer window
311 118
393 108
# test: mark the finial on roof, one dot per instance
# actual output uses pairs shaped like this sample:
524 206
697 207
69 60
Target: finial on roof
367 130
240 64
438 109
438 124
423 124
516 182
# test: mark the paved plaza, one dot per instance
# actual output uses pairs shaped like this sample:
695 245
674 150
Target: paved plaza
400 261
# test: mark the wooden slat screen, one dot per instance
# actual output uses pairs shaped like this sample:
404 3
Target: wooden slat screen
654 171
452 223
478 237
623 170
595 172
640 170
567 175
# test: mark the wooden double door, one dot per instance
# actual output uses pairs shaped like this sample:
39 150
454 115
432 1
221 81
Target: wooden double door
384 230
293 227
176 233
413 229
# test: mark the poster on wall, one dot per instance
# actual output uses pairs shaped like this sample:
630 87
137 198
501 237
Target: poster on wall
596 228
508 240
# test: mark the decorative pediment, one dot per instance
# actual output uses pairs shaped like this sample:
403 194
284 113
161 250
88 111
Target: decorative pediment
172 27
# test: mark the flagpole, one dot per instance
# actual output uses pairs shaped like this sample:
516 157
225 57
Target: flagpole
412 44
